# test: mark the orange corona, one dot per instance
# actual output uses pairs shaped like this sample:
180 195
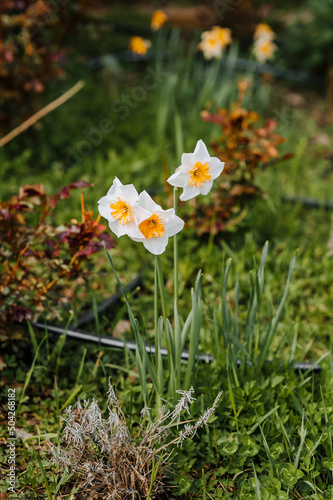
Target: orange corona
152 227
121 211
200 174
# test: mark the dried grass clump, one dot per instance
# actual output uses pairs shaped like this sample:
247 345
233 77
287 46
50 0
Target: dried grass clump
110 463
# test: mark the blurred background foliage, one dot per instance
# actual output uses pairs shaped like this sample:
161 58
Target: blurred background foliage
43 40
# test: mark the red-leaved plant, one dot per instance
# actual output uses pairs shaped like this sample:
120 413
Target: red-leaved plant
245 147
37 257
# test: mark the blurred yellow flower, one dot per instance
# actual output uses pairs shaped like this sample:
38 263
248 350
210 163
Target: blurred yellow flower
264 31
139 45
214 41
158 19
264 49
223 35
211 47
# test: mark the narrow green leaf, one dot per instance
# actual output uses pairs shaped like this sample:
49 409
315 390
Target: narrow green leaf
64 477
46 483
32 336
256 482
301 444
270 334
262 419
79 373
270 458
225 314
232 399
29 374
71 397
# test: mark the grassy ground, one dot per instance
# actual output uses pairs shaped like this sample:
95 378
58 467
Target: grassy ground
271 435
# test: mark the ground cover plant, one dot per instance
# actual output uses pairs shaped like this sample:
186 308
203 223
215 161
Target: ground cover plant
255 302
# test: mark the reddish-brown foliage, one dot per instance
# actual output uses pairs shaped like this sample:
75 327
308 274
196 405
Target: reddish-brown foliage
244 147
31 53
36 256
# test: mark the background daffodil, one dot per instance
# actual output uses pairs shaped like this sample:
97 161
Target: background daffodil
214 41
210 45
262 30
264 49
139 45
196 172
223 35
158 19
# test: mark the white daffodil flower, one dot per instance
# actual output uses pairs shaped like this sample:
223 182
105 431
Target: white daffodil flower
214 41
262 31
210 45
121 209
158 226
264 49
196 173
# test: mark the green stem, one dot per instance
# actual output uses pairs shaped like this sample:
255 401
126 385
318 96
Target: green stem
161 287
156 308
175 249
155 296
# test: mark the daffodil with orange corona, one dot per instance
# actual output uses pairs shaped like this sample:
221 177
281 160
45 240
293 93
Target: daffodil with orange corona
120 207
264 47
158 226
264 50
214 41
139 45
139 217
196 172
262 31
158 19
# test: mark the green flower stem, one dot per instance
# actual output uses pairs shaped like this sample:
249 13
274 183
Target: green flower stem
156 306
175 248
161 288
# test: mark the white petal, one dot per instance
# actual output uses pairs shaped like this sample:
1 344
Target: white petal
105 200
189 192
174 226
116 185
166 215
139 213
117 228
131 228
201 152
156 245
178 179
146 202
129 193
216 167
104 208
206 187
188 160
137 238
